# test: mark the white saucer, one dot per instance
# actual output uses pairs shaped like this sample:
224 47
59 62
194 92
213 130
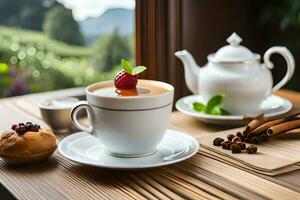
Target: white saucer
85 149
272 107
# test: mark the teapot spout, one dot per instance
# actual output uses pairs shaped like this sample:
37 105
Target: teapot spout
191 70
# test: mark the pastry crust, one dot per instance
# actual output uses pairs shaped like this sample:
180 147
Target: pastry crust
15 145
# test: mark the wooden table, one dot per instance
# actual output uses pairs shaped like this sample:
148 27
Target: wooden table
197 178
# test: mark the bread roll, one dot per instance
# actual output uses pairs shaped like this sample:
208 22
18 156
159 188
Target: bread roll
19 145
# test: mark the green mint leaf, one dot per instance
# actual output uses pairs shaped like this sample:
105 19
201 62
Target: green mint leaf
216 111
215 101
224 112
127 66
213 106
200 107
138 69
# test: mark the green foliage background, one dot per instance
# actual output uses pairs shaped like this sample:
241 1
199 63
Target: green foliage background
60 25
35 61
27 14
32 62
109 50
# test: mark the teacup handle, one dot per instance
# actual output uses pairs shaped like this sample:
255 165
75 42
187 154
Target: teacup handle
290 61
77 107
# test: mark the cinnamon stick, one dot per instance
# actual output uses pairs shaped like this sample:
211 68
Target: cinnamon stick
283 127
256 122
294 133
262 128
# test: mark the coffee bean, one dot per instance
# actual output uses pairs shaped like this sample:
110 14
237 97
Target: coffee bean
236 139
251 149
242 145
226 145
235 148
254 140
230 137
239 134
218 141
247 139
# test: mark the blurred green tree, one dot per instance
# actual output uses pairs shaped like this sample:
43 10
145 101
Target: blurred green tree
23 13
109 50
59 24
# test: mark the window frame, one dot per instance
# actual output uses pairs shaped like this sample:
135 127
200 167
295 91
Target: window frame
158 37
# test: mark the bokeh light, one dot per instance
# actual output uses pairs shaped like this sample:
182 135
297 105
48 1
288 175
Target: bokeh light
35 73
14 46
31 51
21 55
13 60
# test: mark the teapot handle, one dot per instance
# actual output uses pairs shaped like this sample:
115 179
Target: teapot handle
290 61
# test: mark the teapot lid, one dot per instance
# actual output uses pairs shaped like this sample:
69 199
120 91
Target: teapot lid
234 52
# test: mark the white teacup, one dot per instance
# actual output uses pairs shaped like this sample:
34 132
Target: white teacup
129 126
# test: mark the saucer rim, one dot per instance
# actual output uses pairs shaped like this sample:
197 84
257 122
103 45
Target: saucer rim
192 152
230 117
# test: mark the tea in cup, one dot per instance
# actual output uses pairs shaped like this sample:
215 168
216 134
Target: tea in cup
129 123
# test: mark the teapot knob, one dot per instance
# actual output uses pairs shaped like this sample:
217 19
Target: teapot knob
234 39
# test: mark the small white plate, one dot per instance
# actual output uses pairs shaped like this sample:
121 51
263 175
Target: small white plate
272 107
85 149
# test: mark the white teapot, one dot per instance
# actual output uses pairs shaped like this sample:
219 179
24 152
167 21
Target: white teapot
236 72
